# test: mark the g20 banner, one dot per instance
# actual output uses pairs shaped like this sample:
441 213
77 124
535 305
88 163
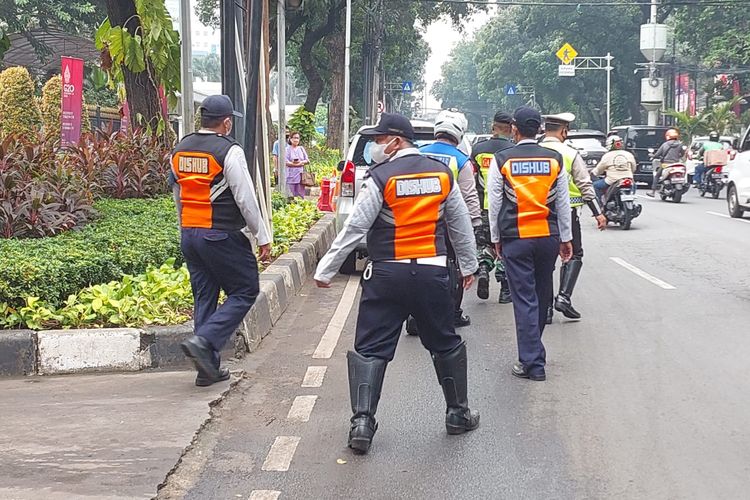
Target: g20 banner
72 100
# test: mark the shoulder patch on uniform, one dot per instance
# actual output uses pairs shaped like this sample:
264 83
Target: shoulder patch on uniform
424 186
530 167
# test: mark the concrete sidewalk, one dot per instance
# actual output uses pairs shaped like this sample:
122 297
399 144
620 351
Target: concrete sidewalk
111 436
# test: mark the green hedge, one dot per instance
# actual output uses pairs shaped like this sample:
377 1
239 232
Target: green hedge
127 237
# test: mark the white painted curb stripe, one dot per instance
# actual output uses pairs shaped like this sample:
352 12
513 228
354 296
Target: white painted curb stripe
333 331
643 274
264 495
314 376
301 408
281 453
728 217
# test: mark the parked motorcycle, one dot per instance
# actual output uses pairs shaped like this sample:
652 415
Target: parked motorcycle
673 182
620 203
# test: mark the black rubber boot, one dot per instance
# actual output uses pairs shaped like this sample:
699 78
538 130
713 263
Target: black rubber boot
411 327
483 282
461 319
505 297
550 315
568 279
365 383
451 372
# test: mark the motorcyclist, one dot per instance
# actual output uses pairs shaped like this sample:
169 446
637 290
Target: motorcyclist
711 144
481 156
450 127
615 165
670 152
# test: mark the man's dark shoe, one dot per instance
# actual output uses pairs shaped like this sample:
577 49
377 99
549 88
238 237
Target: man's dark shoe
451 368
520 372
202 381
202 354
365 383
411 327
483 284
550 315
505 297
461 320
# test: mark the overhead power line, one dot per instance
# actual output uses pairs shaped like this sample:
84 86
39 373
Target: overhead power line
624 3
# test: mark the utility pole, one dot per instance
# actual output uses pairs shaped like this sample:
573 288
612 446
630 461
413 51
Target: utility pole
186 70
281 90
347 58
609 91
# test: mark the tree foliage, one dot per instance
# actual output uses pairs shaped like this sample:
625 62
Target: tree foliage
19 112
23 16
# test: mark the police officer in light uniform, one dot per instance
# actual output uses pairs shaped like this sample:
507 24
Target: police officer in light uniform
529 225
581 193
408 206
482 154
217 209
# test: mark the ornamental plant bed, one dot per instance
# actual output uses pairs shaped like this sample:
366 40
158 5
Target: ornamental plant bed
160 296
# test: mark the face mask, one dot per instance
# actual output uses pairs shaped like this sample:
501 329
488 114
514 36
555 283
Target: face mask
377 151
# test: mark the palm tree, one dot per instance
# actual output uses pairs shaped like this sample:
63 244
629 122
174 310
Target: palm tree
721 117
689 125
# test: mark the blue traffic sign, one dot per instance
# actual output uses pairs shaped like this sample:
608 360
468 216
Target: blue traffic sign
407 87
511 89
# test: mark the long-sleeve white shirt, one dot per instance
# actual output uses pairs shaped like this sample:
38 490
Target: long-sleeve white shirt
366 209
241 185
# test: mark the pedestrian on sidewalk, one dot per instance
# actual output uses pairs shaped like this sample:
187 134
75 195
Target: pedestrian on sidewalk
529 224
217 210
408 206
296 159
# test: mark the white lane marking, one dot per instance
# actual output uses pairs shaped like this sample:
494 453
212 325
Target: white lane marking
333 331
281 453
264 495
301 408
314 376
727 217
643 274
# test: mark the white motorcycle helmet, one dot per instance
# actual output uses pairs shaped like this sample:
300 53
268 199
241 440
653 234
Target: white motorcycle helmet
611 141
452 123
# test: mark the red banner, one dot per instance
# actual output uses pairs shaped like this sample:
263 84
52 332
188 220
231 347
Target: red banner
72 100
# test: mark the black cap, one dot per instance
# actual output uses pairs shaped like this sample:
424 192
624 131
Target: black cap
218 106
527 117
392 124
503 117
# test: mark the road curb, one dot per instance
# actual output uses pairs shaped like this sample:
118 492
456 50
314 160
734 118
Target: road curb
52 352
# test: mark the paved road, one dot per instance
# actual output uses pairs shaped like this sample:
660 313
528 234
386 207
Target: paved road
647 397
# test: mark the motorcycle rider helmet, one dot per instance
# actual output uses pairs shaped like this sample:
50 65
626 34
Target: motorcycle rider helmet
451 123
613 142
713 136
672 134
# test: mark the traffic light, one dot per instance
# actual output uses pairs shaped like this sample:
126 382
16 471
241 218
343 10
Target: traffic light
294 5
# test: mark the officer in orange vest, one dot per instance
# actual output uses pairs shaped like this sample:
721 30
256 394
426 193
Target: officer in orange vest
530 223
408 206
217 209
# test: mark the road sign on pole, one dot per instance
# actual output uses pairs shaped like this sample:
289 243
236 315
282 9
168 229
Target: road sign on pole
407 87
566 70
511 89
566 53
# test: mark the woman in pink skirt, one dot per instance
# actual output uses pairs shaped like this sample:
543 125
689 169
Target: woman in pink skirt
296 159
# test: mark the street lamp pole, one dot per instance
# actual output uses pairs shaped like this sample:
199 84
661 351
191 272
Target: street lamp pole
609 91
186 70
281 90
347 57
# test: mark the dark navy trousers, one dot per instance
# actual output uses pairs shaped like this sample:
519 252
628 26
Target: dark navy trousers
529 265
393 292
220 260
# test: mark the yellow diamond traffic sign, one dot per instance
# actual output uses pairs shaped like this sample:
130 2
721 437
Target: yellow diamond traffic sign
566 53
